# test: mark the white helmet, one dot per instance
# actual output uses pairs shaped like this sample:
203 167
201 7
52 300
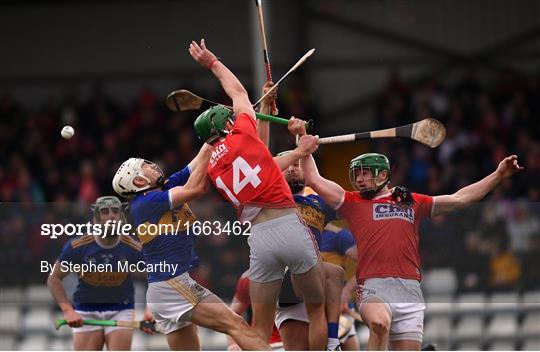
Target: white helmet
125 175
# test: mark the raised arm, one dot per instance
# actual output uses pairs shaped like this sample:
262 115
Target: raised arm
306 145
332 193
263 127
475 192
197 184
201 157
296 127
228 80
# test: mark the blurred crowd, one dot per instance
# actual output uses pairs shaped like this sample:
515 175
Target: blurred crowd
46 179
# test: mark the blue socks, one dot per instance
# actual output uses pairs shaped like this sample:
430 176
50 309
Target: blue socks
333 330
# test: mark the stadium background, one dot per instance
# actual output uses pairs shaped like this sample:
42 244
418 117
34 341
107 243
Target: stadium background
105 67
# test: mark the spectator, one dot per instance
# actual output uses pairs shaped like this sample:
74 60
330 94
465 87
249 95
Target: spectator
505 270
472 265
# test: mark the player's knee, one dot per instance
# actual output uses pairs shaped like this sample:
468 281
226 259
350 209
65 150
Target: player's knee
380 325
334 273
315 309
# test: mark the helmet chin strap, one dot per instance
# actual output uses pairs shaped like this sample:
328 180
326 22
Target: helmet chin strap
297 187
160 181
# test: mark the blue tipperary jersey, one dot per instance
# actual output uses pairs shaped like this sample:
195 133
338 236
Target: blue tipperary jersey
315 212
108 290
174 247
333 250
338 242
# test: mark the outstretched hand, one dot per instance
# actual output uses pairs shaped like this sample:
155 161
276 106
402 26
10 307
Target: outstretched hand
508 166
201 54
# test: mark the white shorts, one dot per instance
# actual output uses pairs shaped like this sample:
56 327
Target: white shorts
277 346
405 302
124 314
294 312
172 301
298 312
279 243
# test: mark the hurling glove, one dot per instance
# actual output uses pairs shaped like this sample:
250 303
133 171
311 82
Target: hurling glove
402 196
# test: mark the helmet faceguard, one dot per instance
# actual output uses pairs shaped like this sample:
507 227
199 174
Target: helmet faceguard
123 181
212 123
111 203
375 163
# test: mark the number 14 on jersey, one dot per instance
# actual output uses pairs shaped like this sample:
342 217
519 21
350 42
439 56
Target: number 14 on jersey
250 176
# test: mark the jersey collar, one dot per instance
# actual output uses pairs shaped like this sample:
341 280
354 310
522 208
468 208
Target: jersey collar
384 195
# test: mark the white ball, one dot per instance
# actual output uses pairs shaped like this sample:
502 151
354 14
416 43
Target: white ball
67 132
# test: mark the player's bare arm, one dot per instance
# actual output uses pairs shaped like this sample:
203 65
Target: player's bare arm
232 86
201 157
263 127
475 192
306 145
197 184
59 294
331 192
295 127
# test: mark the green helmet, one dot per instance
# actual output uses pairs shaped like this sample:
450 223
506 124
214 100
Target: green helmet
211 124
376 163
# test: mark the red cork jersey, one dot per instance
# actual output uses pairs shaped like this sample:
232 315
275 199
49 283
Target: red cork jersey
386 235
245 173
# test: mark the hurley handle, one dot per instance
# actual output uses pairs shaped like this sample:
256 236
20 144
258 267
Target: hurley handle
279 120
96 322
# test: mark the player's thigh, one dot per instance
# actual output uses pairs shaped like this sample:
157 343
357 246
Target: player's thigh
375 312
311 284
263 304
88 340
185 339
295 335
213 314
173 301
264 292
407 326
119 339
406 345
